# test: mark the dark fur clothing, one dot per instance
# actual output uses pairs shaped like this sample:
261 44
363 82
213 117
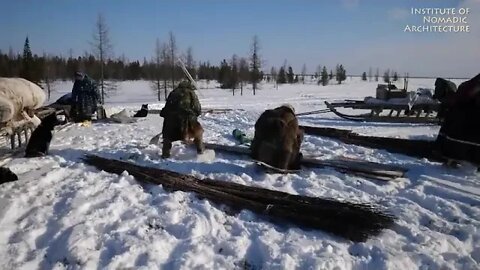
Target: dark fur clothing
459 136
277 139
39 142
85 98
6 175
444 92
444 89
143 112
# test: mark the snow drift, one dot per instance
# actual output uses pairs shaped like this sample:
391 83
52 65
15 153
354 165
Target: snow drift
63 214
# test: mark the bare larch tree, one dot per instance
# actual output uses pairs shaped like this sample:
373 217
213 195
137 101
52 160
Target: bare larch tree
172 49
48 75
157 76
103 50
243 73
255 63
190 62
318 71
304 72
274 73
166 62
234 73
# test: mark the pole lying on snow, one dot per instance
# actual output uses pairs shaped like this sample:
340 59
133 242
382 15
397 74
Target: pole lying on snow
376 171
314 112
353 221
414 148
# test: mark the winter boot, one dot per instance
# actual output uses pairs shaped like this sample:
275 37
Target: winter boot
167 145
200 146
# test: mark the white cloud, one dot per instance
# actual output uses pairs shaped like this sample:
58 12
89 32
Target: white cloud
350 3
399 14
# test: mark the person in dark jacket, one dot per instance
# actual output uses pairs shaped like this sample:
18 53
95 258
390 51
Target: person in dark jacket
444 92
85 98
180 115
278 138
459 136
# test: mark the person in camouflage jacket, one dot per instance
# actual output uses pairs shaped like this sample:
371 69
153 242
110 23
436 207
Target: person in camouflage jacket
85 98
180 115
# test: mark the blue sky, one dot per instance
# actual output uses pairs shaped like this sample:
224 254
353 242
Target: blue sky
357 33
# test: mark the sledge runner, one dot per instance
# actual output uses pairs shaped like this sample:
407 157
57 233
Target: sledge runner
180 118
278 138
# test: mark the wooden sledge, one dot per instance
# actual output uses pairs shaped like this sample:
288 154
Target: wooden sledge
362 168
415 115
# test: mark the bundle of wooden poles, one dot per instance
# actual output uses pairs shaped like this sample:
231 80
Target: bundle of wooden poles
356 222
410 147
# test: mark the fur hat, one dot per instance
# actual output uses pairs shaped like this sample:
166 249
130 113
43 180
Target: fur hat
186 84
79 75
286 105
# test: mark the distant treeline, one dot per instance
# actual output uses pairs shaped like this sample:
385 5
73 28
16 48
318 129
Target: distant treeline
231 73
60 68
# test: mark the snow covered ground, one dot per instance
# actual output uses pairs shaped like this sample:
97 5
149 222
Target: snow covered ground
63 214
